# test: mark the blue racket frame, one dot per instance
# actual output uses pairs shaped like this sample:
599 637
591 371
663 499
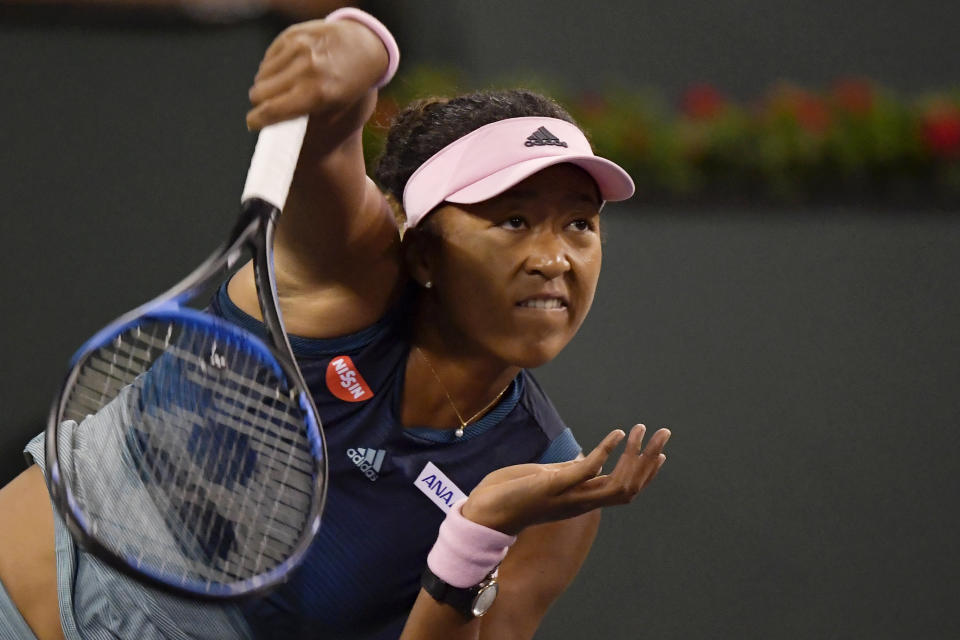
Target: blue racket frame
254 231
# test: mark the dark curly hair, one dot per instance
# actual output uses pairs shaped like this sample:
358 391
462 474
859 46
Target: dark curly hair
425 127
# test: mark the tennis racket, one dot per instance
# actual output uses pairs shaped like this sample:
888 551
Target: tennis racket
186 451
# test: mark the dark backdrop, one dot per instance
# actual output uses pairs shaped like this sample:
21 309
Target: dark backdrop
807 361
741 45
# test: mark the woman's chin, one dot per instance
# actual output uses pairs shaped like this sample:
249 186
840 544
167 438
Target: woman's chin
533 355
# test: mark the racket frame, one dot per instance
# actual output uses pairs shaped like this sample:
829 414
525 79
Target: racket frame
253 233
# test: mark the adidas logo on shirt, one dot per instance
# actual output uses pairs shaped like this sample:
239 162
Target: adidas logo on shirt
542 137
368 460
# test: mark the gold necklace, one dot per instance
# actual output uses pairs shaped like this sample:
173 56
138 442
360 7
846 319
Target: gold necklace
463 423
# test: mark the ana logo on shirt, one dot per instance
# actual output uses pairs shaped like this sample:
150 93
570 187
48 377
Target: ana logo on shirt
438 487
345 382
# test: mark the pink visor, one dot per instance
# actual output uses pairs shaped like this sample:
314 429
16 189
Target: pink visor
488 161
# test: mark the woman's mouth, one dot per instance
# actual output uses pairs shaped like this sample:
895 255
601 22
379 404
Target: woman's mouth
543 303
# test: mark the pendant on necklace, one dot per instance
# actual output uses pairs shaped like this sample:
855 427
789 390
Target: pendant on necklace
459 432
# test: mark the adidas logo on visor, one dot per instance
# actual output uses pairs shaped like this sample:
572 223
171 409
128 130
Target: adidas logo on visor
542 137
368 461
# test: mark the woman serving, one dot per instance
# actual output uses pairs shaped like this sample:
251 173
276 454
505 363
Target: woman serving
415 347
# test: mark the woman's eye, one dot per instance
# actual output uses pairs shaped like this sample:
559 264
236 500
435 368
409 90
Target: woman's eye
581 224
515 222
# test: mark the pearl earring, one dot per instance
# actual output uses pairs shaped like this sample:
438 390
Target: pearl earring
428 284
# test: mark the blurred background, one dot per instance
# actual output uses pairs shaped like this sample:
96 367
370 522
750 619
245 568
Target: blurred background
782 293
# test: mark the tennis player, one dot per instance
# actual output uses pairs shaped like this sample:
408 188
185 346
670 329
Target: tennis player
459 504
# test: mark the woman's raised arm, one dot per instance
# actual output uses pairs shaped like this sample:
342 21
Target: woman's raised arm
337 248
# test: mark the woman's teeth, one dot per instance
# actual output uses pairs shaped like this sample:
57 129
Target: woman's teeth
551 303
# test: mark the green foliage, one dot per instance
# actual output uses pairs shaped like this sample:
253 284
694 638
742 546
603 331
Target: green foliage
851 142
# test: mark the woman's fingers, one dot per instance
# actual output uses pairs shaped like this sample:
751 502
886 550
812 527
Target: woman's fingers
661 458
269 112
282 40
659 439
512 498
635 441
590 466
647 462
632 456
654 452
276 63
633 472
273 85
317 68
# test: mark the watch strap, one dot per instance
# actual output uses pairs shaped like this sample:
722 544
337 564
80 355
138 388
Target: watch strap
460 598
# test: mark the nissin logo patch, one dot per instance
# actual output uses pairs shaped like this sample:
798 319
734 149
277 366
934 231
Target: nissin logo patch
345 382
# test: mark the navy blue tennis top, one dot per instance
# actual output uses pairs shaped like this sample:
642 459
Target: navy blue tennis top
388 485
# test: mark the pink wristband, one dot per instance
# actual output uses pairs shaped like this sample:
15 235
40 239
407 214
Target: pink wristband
367 20
465 552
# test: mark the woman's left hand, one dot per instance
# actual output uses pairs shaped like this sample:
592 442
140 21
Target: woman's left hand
516 497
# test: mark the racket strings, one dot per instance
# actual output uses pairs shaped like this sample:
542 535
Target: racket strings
217 470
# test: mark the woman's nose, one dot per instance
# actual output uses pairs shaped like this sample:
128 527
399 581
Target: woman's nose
547 257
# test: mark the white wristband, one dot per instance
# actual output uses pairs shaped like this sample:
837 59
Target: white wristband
367 20
465 552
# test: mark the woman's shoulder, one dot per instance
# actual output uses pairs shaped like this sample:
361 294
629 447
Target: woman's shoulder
328 297
390 325
534 400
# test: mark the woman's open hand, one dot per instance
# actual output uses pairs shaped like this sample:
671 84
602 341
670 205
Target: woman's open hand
317 68
516 497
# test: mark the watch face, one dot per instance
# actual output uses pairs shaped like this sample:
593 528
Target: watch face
484 599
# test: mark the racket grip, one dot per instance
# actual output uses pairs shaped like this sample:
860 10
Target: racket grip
274 161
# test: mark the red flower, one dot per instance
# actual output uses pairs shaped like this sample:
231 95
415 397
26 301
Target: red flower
854 95
808 109
812 114
702 102
940 128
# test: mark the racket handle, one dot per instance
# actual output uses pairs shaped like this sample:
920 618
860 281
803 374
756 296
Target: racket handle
274 161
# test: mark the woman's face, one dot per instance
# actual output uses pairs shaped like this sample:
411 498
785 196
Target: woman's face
515 276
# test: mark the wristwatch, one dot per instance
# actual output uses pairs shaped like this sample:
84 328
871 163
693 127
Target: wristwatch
472 602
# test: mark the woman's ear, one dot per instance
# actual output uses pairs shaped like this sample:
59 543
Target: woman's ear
418 255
